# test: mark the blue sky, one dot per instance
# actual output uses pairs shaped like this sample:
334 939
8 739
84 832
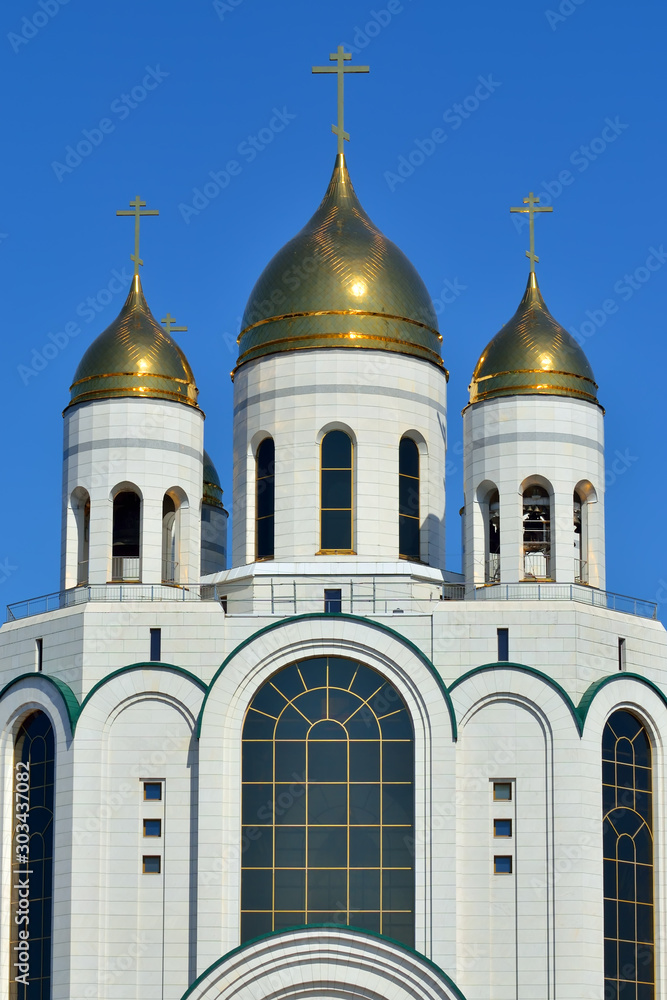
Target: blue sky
562 97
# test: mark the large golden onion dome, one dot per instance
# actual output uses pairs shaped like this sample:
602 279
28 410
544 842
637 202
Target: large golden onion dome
533 354
340 283
212 494
134 356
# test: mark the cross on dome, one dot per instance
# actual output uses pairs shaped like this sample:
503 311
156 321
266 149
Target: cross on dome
340 58
531 201
168 322
137 206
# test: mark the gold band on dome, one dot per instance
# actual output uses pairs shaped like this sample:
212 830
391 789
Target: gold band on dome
87 397
541 390
167 378
337 312
533 371
338 336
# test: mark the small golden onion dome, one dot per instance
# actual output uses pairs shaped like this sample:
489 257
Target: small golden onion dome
340 283
533 354
212 494
134 356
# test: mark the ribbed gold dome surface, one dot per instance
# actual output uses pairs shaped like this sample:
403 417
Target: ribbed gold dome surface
134 356
340 283
533 354
212 489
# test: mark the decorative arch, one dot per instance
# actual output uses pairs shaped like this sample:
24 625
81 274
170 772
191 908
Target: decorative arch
488 499
127 503
409 500
537 516
337 490
80 504
265 498
174 501
326 961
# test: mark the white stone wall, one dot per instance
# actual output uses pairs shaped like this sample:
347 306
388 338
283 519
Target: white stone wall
556 439
377 397
151 444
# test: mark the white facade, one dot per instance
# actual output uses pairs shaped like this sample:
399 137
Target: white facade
147 681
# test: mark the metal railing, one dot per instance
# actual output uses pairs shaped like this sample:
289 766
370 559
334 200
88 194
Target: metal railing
125 568
280 597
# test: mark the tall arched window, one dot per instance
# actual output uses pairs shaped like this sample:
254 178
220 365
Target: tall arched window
492 539
126 561
336 493
628 859
32 858
169 540
265 499
81 510
328 802
579 519
408 499
536 533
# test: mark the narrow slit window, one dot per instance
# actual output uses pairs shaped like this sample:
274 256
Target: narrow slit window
503 644
39 655
408 499
156 645
265 500
333 602
621 654
336 493
492 561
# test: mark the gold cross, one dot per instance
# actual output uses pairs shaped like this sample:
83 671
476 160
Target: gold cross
531 201
167 324
137 205
340 57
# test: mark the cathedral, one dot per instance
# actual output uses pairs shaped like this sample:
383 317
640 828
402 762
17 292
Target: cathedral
175 822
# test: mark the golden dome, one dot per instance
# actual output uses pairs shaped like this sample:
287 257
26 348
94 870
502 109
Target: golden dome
340 283
212 494
134 356
533 354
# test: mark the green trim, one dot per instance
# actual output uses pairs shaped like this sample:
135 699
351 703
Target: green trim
71 701
596 686
523 668
318 927
350 618
155 665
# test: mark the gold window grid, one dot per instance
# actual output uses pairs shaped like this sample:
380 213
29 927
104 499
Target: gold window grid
305 826
617 980
351 551
266 517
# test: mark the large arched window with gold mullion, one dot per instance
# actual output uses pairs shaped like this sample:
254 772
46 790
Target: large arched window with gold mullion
336 493
629 943
265 499
328 802
32 859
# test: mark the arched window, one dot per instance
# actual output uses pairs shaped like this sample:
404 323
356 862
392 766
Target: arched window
81 510
266 501
126 562
579 518
169 540
628 859
32 857
408 499
336 493
328 802
492 539
536 534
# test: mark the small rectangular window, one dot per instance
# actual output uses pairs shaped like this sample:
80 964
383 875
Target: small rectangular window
151 864
152 828
503 644
156 645
333 602
502 828
621 654
39 654
502 864
152 791
502 790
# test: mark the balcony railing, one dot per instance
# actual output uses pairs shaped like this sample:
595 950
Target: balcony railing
125 568
280 597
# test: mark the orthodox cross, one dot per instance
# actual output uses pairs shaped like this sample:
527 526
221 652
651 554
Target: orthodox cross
340 57
137 206
167 324
531 201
